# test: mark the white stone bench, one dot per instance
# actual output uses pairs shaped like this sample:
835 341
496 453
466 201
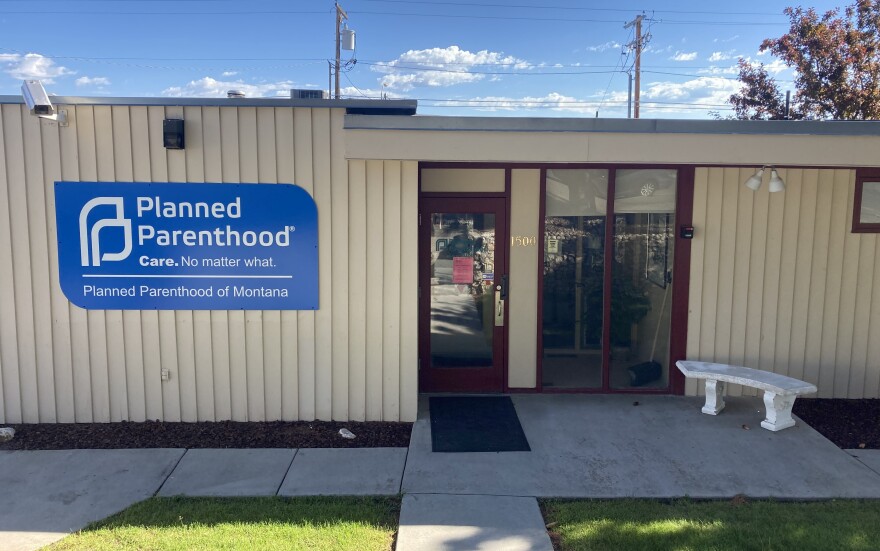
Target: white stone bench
780 391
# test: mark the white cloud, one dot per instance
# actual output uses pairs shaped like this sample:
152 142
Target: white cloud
657 49
610 45
763 52
730 39
721 56
368 93
689 99
708 91
229 73
552 101
729 70
440 67
432 79
92 81
684 56
208 87
33 66
776 66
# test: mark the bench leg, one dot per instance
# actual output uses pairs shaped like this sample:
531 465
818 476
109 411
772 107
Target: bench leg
778 411
714 397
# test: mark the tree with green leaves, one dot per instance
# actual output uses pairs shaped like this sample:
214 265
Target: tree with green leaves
836 59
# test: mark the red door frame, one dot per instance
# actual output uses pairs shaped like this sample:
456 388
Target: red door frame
681 269
461 379
684 203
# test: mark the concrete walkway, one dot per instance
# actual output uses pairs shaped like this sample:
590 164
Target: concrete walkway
871 458
603 446
463 523
44 495
582 446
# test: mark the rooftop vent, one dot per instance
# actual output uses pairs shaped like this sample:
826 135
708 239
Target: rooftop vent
305 93
234 94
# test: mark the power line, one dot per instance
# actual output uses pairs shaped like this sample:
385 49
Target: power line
385 65
434 3
624 56
366 12
707 75
466 72
200 12
353 85
561 19
531 66
116 1
573 8
564 102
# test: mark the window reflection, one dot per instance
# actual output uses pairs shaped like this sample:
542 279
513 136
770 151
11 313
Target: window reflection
574 265
641 275
574 284
462 274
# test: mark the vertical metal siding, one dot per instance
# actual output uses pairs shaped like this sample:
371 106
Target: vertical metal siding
778 281
374 276
357 291
304 172
9 361
285 165
354 358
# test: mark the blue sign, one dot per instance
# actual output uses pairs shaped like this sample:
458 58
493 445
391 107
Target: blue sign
143 246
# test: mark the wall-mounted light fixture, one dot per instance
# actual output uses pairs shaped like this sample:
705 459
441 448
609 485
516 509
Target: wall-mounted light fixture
172 134
776 183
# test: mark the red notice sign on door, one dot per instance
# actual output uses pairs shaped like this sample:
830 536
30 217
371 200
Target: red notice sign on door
463 269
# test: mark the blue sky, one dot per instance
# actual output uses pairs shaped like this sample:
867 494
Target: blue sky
457 57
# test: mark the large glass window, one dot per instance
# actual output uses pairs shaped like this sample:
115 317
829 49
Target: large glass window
607 326
866 215
641 277
574 267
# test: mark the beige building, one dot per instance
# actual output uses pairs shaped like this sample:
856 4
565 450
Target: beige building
454 255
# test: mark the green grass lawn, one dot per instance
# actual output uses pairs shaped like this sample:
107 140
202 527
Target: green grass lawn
332 523
713 525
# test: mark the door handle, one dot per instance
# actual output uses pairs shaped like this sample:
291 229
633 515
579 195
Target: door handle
499 306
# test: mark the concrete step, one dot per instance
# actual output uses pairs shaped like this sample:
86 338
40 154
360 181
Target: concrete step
435 522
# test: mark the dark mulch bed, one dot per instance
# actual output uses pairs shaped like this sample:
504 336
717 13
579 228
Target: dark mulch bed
224 434
851 424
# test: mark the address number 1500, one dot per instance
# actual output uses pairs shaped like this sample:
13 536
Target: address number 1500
523 241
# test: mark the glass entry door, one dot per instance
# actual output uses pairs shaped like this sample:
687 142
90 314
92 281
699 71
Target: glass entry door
462 250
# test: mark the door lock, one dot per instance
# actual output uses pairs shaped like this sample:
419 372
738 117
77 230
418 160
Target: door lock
499 308
500 297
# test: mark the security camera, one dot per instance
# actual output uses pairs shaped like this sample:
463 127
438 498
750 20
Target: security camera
36 98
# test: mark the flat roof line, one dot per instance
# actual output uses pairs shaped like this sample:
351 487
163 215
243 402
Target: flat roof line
640 126
362 105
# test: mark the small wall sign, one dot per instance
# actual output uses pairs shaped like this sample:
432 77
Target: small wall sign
523 241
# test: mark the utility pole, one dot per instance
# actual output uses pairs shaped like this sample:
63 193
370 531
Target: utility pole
340 15
637 45
629 95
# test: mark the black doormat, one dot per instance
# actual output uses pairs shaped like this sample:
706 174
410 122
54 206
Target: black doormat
475 424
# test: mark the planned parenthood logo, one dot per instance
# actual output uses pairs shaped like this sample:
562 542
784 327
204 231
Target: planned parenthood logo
90 242
138 246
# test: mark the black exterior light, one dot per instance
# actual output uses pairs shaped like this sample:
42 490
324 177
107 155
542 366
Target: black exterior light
172 133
